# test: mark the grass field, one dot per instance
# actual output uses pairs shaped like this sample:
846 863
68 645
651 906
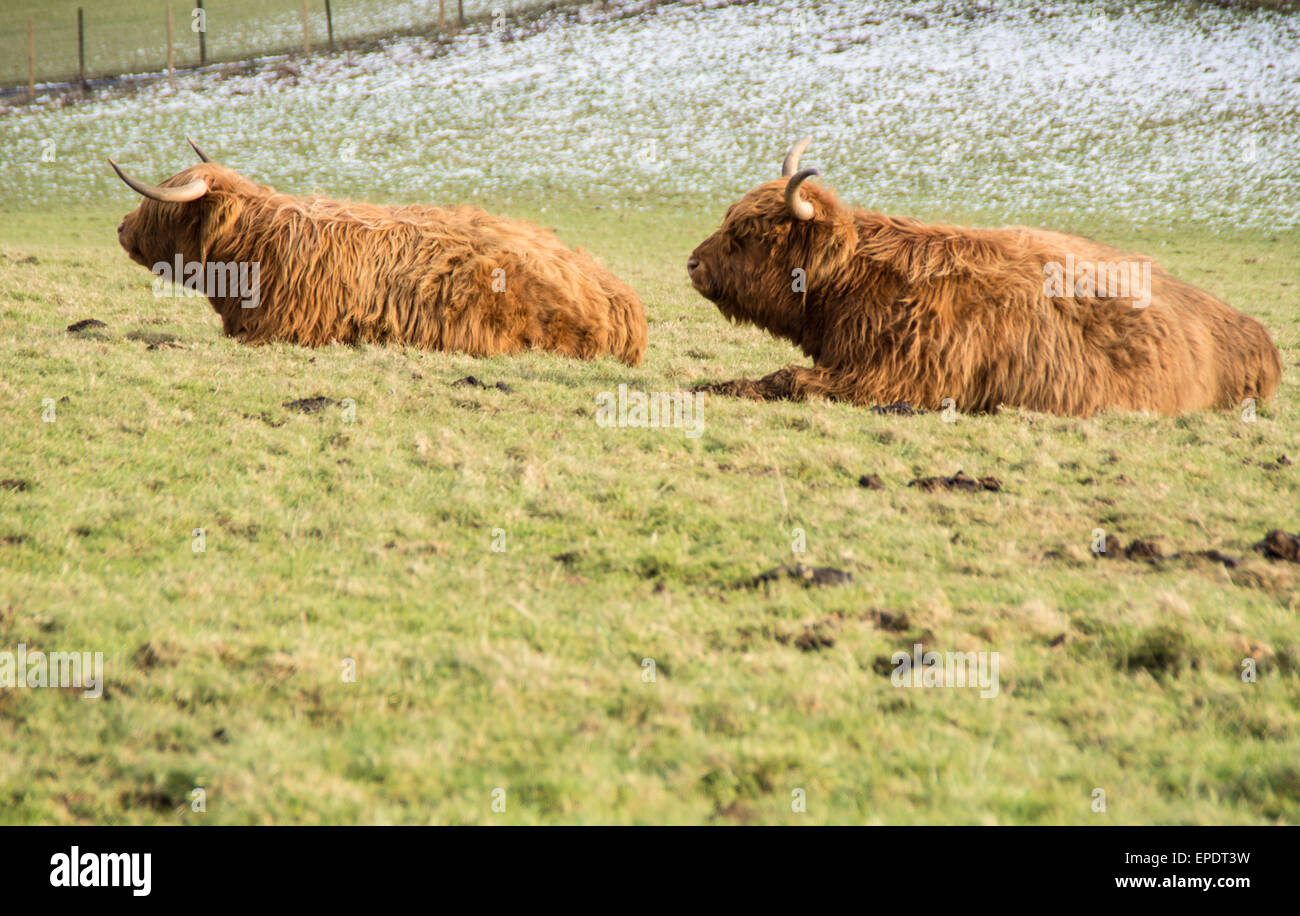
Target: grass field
522 669
499 568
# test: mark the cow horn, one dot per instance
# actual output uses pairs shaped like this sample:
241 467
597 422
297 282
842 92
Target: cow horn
186 192
792 158
203 157
799 208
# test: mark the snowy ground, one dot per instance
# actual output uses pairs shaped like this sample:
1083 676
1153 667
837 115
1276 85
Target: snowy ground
1158 114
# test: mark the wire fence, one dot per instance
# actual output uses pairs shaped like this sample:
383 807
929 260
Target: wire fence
57 41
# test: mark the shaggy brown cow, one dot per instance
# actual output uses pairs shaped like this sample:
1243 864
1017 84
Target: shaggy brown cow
891 309
438 278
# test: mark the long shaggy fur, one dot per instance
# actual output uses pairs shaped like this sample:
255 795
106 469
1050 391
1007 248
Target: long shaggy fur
431 277
898 310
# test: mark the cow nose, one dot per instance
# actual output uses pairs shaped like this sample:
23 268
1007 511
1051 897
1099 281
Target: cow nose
691 264
119 227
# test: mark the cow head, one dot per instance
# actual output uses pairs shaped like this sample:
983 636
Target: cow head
177 216
781 241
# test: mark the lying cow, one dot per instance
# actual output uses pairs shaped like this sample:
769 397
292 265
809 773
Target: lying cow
438 278
891 309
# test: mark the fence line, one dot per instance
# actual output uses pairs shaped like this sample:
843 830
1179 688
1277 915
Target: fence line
135 39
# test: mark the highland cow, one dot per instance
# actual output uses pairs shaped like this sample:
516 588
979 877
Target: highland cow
438 278
892 309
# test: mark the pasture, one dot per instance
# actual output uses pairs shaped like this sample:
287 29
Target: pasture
578 615
122 36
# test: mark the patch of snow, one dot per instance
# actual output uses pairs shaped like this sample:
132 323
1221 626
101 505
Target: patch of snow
1154 114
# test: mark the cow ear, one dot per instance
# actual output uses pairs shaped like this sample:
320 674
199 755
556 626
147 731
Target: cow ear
216 219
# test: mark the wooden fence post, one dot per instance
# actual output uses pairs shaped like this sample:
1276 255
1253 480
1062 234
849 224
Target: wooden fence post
442 16
461 4
306 34
203 38
171 59
329 23
31 61
81 49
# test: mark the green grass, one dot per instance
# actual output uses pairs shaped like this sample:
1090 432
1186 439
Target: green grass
126 36
372 540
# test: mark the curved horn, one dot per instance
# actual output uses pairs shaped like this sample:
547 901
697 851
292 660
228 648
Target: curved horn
792 158
203 157
186 192
799 208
